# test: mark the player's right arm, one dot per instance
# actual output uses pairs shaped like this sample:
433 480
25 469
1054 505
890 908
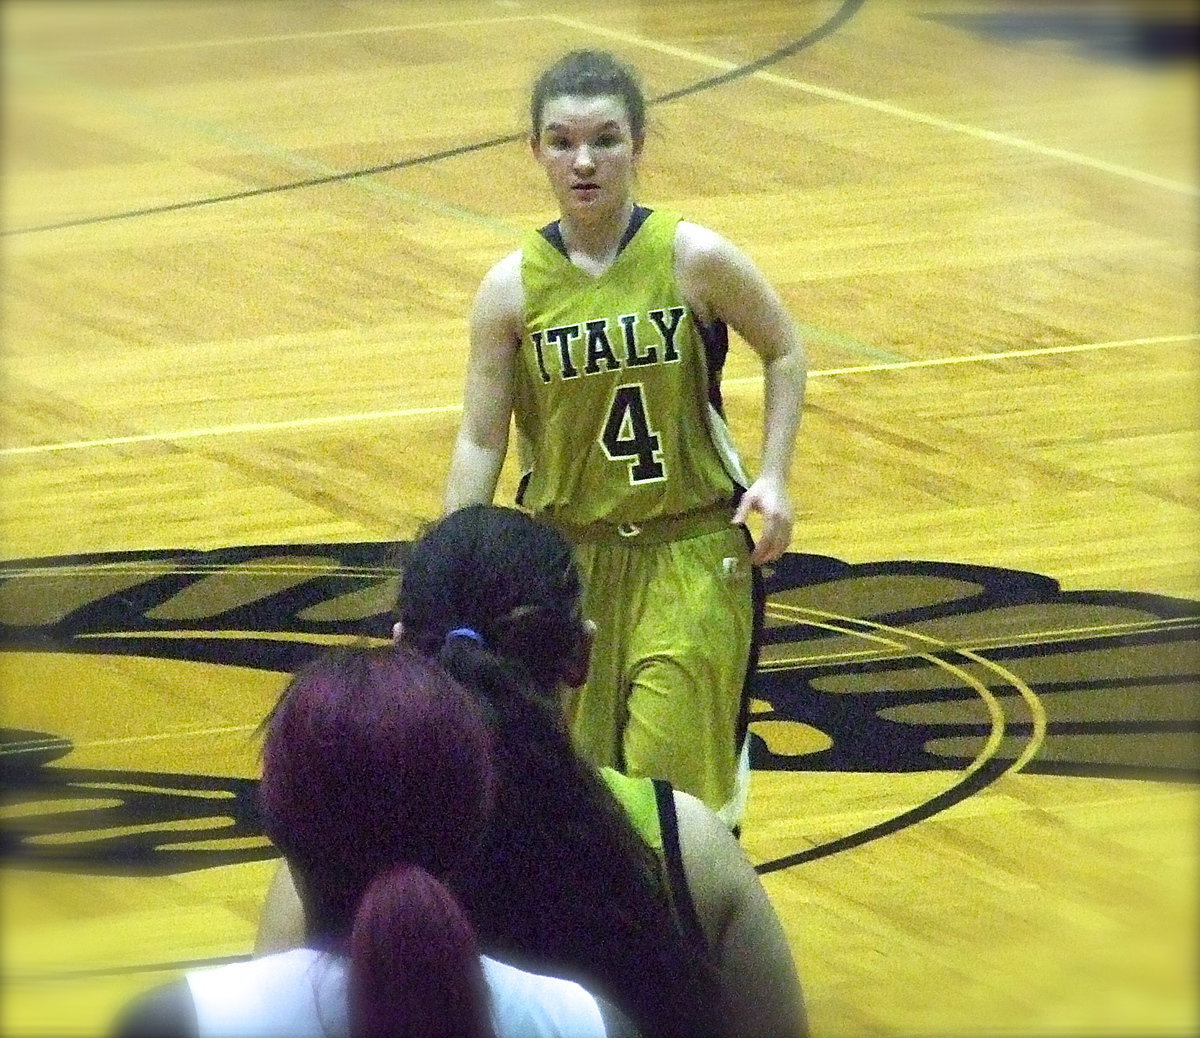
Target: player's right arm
496 331
759 985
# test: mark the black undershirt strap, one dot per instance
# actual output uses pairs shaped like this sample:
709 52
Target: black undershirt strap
681 896
552 232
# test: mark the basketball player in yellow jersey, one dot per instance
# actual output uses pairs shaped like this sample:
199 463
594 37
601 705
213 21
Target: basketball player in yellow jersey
604 336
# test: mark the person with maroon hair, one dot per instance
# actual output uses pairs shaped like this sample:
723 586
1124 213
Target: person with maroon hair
637 891
378 779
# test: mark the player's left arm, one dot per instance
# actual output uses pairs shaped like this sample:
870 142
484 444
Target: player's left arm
723 283
758 981
281 923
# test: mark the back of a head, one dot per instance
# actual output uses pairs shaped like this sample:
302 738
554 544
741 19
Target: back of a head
505 576
377 780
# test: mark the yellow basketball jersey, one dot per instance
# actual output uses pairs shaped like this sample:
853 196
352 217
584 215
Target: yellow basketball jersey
617 389
658 827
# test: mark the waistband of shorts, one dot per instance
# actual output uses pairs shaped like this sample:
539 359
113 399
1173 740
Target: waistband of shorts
680 527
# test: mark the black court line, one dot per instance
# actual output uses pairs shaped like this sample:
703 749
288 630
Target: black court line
968 786
847 11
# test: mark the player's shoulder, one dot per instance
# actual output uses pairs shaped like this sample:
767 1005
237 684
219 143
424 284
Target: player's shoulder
699 248
713 861
505 269
500 292
696 234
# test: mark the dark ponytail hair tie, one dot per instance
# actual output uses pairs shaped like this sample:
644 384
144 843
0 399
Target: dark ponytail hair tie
463 632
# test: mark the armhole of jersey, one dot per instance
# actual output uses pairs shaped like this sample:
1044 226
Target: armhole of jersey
715 337
681 896
640 213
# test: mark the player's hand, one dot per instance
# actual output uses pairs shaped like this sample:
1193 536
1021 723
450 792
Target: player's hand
768 498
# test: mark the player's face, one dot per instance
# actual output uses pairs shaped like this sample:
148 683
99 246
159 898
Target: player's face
588 152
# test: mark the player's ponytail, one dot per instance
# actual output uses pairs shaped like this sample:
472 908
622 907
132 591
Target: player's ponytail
378 776
563 877
414 963
494 597
520 711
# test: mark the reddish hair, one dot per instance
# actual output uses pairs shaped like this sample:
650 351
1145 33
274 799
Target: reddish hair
416 970
377 780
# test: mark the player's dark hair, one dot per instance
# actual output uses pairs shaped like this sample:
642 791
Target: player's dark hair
590 73
377 778
563 882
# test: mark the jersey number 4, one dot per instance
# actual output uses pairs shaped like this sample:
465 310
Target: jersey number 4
628 437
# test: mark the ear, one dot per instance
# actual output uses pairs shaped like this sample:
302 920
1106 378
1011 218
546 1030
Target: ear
576 667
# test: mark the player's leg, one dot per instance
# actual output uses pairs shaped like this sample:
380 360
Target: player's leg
596 712
692 649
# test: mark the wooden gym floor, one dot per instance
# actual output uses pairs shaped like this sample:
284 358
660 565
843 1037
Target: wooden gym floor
239 244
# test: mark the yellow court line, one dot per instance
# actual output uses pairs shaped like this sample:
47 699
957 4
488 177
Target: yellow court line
183 733
237 41
78 836
1037 709
886 108
416 412
973 358
991 703
111 786
862 656
231 430
188 634
1069 634
1033 702
1061 634
249 568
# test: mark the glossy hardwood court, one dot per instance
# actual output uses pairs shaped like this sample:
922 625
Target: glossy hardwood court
239 245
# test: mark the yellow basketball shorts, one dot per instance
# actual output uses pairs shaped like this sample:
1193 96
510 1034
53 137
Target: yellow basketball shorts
676 643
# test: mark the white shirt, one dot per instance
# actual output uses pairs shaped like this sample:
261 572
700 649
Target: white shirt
302 994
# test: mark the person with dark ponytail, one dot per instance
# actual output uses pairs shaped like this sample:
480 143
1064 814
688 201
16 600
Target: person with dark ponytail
378 779
637 891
